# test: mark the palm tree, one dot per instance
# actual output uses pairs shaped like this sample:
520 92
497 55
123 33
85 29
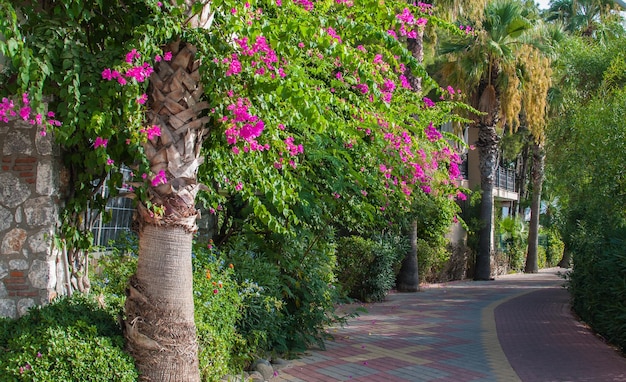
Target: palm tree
485 66
535 66
580 16
160 328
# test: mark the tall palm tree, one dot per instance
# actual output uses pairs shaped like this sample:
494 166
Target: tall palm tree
535 66
160 328
485 66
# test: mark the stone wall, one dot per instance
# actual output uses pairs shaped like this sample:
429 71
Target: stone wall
31 270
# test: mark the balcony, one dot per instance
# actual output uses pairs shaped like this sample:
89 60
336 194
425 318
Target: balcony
505 179
505 185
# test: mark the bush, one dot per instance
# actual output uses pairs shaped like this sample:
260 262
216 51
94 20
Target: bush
366 269
554 248
513 241
262 322
598 285
218 308
72 339
112 270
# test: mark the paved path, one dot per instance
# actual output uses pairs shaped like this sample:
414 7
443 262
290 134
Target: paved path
517 328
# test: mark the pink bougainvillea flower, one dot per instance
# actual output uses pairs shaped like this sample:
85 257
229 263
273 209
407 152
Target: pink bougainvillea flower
428 102
167 56
153 131
160 178
130 56
142 99
25 112
332 33
239 186
110 162
100 142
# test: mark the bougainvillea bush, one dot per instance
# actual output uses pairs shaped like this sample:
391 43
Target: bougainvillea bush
313 112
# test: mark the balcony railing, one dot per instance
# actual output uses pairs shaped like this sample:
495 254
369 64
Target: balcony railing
505 179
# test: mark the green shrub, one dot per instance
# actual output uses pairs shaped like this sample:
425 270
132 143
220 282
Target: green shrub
432 258
555 247
112 270
513 242
262 322
366 269
598 284
541 257
218 308
72 339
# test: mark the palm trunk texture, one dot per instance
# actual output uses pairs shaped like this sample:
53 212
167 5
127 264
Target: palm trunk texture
532 265
160 328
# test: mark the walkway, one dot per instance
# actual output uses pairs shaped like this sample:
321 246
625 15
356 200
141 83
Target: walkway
516 328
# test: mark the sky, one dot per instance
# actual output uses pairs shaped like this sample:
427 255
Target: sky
543 4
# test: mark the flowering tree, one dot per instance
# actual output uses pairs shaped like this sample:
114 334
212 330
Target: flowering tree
287 104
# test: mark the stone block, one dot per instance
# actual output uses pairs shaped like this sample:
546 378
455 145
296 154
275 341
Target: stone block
18 264
13 191
44 185
44 144
6 219
17 142
13 242
42 274
7 308
3 290
40 211
41 242
4 270
24 305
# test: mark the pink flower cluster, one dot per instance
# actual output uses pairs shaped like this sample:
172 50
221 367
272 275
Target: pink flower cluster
332 33
293 149
432 134
100 142
151 132
468 29
267 57
140 72
8 112
160 178
306 4
408 23
244 126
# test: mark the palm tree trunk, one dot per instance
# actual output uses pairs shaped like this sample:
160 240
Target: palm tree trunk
488 149
160 328
408 278
533 230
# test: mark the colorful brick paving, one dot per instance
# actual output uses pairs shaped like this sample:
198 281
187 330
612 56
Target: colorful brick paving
444 333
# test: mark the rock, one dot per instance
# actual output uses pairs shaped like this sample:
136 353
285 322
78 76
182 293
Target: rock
13 192
7 308
263 367
279 363
24 305
255 376
6 218
42 274
13 242
40 211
